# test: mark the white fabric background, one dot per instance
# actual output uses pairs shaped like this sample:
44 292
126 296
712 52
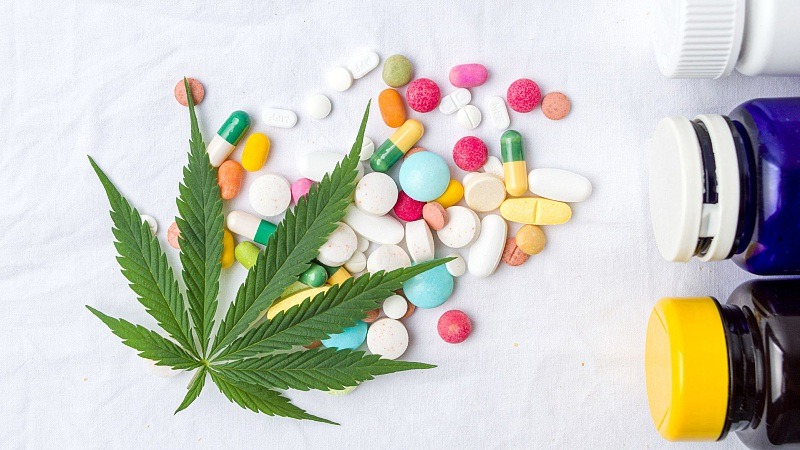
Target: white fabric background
556 358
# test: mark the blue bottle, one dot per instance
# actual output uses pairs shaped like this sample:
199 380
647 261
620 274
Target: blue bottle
728 187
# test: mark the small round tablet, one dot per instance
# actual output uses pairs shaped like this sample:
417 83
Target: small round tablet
173 233
469 117
463 225
339 247
387 338
419 241
339 79
357 263
484 192
456 267
376 193
363 243
367 149
196 87
435 215
270 194
151 222
318 106
494 166
395 307
387 257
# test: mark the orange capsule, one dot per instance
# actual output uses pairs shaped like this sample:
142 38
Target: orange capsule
229 178
392 108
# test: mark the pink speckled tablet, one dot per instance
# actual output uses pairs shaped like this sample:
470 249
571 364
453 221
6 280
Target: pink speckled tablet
412 151
407 208
556 106
423 95
523 95
454 326
173 233
468 75
300 188
435 215
198 92
470 153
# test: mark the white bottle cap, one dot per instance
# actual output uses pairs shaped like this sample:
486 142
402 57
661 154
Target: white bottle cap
698 38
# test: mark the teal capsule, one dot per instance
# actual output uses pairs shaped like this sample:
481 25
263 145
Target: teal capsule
229 135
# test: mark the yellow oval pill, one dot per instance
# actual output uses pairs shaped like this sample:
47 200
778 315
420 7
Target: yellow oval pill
294 300
255 152
535 211
452 195
227 249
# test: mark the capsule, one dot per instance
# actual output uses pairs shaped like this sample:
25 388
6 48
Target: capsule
336 275
247 254
250 226
514 168
396 146
227 249
314 276
228 136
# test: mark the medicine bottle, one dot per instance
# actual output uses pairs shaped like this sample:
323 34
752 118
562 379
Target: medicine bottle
715 369
709 38
729 186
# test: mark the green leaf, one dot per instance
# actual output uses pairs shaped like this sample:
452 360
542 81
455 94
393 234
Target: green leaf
195 387
260 399
200 224
293 245
144 264
328 313
321 369
148 343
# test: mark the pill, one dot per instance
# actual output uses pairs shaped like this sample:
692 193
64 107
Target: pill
396 146
424 176
228 245
151 223
256 150
339 79
397 71
469 117
457 266
494 167
535 211
393 111
363 63
530 239
485 253
276 117
300 188
318 106
423 95
246 253
455 100
429 289
514 168
387 257
229 178
555 106
387 337
349 339
419 241
376 193
468 75
454 326
249 226
270 194
484 192
470 153
367 149
316 165
378 229
410 310
339 247
363 243
292 289
337 275
523 95
512 254
195 87
412 151
357 263
314 276
173 233
294 300
313 345
498 112
395 307
407 208
372 315
435 215
463 226
452 195
560 185
228 137
340 392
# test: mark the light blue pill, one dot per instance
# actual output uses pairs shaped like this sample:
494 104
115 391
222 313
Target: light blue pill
351 338
429 289
424 176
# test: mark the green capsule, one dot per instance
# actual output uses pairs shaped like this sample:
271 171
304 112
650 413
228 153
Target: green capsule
247 254
315 276
511 147
235 127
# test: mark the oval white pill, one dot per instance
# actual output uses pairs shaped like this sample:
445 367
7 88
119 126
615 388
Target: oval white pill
494 167
339 79
485 253
560 185
469 117
318 106
456 267
363 63
419 241
388 338
357 263
462 227
498 112
270 194
316 165
387 257
378 229
484 192
395 307
151 222
367 149
281 118
376 193
339 247
363 243
455 100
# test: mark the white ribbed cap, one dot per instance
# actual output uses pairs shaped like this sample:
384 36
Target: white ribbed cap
698 38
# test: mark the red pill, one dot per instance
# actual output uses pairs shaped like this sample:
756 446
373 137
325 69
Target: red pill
470 153
454 326
423 95
523 95
407 208
198 92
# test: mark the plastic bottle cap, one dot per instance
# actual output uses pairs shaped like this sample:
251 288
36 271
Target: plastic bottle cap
686 363
698 38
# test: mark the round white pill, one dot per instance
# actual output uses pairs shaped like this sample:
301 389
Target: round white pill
376 193
367 149
463 225
318 106
151 222
339 247
270 194
339 79
456 267
363 243
357 263
419 241
395 307
387 257
494 167
388 338
454 101
484 192
469 117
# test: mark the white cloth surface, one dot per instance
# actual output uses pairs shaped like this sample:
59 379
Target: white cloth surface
556 356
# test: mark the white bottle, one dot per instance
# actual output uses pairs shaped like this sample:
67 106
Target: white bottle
709 38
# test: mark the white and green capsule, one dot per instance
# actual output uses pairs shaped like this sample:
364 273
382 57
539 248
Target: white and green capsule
228 136
250 226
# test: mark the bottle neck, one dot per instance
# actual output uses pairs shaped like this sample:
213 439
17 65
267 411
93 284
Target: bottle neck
747 186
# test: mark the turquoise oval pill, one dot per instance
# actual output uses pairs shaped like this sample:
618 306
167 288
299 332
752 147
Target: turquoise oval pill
314 276
430 288
351 338
424 176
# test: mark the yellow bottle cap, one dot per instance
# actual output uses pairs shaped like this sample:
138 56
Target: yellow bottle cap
686 363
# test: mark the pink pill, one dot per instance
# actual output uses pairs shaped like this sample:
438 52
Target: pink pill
523 95
300 188
454 326
468 75
470 153
423 95
407 208
173 233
